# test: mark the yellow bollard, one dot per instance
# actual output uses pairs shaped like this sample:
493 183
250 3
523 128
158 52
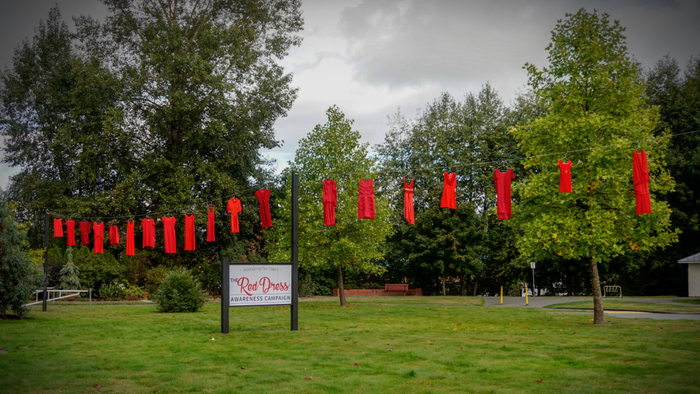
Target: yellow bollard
501 294
526 300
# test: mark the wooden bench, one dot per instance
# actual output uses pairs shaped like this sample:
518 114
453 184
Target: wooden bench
612 289
396 288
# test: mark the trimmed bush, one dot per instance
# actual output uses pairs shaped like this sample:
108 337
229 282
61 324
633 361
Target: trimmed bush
179 292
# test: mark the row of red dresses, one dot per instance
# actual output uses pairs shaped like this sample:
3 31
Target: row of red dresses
148 227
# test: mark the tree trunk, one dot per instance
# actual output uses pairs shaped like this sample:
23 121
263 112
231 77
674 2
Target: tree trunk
476 283
341 290
598 313
444 292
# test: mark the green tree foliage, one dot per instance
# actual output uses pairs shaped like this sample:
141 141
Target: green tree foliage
16 269
96 270
456 137
333 151
163 107
595 97
180 291
69 273
677 94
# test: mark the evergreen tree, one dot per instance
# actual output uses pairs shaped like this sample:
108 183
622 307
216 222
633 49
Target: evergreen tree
69 273
595 97
16 270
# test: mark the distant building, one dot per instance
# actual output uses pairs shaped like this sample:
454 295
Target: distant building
693 274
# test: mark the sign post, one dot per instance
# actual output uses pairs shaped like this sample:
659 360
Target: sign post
532 265
259 284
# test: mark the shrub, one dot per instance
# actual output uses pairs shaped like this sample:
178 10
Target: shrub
113 291
16 270
179 292
134 293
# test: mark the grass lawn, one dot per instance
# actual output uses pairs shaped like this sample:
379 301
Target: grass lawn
377 345
692 301
628 305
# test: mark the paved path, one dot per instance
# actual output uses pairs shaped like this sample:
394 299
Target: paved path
541 302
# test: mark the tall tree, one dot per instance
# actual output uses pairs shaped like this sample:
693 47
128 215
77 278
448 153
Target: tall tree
334 151
595 98
162 108
677 94
448 136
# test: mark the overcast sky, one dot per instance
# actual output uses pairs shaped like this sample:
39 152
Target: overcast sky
370 57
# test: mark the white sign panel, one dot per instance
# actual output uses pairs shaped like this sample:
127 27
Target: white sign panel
260 284
532 265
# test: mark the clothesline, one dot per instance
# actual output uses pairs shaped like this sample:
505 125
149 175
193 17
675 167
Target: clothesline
514 159
190 208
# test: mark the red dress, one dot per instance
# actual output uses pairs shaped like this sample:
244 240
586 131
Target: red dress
211 228
189 232
70 230
99 236
234 208
365 202
263 196
503 181
130 238
408 202
330 200
58 228
85 233
641 182
449 197
149 233
565 177
169 234
113 235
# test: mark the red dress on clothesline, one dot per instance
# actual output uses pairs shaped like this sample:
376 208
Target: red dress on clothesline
58 228
641 182
211 227
503 181
234 208
113 234
565 177
330 200
408 202
85 233
70 232
263 196
449 196
99 237
149 233
130 238
365 202
189 232
169 234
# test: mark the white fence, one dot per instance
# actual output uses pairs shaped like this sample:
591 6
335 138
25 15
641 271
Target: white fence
52 295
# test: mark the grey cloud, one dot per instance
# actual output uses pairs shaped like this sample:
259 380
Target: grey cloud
410 42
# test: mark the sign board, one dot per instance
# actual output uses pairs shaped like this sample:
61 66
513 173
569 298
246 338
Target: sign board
532 265
260 284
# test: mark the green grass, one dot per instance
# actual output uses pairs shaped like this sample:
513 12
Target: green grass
396 344
628 305
694 301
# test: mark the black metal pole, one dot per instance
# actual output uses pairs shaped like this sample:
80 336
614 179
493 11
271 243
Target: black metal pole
46 261
295 251
224 295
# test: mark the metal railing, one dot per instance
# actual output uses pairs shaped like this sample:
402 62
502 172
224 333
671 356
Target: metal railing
52 295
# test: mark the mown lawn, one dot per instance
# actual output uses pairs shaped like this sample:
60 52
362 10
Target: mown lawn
631 305
378 345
